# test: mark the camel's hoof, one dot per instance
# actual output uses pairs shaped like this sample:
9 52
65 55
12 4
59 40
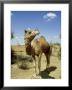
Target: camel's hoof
36 76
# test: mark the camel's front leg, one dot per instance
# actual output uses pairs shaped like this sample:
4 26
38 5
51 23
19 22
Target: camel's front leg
36 65
37 68
39 63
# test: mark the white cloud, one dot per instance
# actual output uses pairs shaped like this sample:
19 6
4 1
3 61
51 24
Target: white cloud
49 16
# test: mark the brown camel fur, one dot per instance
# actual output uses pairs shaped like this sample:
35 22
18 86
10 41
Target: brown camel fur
37 47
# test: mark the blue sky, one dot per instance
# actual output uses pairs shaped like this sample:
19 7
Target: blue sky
48 23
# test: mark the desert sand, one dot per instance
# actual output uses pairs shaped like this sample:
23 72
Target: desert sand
53 72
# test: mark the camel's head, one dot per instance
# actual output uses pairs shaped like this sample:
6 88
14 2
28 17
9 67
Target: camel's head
30 34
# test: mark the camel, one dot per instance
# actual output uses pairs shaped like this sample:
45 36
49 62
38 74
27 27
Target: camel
35 47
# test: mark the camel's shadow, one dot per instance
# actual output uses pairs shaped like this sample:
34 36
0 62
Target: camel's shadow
45 74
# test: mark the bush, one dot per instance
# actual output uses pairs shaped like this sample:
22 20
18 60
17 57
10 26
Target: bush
25 62
13 57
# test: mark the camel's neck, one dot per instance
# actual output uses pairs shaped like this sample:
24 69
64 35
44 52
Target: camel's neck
27 42
28 47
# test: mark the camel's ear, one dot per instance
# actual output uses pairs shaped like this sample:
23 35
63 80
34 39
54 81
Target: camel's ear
25 31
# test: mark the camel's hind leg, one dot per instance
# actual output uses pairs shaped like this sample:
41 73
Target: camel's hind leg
48 60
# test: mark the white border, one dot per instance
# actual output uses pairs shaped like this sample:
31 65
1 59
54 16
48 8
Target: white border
64 8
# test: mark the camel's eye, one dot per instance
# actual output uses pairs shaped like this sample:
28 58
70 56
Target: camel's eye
29 32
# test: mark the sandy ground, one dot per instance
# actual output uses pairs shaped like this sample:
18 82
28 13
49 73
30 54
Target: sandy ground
53 72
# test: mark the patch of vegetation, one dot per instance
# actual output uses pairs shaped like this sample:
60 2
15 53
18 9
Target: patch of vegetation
13 57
